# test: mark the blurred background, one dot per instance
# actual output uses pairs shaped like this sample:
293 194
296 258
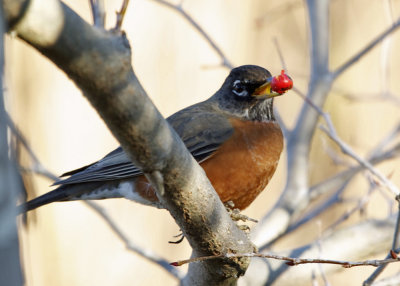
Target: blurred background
68 244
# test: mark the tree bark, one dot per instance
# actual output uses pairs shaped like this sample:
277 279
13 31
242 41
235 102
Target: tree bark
99 62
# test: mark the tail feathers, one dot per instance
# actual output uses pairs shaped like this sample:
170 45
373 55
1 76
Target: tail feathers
54 196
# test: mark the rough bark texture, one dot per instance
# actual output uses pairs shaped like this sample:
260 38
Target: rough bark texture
99 62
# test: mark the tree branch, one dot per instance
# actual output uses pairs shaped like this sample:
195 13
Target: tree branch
365 50
10 270
147 253
178 8
38 168
121 14
346 149
292 261
295 196
98 13
346 244
98 62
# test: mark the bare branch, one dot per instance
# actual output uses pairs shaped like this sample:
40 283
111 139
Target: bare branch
385 51
276 12
114 90
395 245
365 50
341 178
389 281
36 165
38 168
346 149
10 270
281 58
98 13
178 8
145 253
345 244
121 14
312 214
295 196
294 261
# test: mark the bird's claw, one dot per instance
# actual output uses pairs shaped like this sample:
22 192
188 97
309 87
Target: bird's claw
236 216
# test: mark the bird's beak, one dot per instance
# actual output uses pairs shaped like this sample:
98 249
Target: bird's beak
264 91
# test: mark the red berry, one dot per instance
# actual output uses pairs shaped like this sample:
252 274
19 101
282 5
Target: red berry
281 83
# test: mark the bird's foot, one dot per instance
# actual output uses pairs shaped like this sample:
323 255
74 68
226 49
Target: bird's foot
236 216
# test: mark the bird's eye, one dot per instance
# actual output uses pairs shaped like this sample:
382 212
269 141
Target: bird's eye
239 89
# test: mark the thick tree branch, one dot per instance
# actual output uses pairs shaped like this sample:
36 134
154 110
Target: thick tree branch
98 62
38 168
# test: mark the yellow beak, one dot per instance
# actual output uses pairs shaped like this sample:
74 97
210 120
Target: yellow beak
264 91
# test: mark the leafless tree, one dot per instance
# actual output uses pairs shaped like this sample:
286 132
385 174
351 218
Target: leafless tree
79 49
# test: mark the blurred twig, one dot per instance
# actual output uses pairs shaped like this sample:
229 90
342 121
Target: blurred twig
296 196
10 264
365 50
346 149
121 14
389 281
37 167
276 12
145 253
178 8
395 245
279 50
98 13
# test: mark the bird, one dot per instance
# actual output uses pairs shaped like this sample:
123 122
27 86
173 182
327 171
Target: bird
233 135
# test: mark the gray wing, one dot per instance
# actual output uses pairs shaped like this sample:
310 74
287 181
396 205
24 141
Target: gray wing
201 142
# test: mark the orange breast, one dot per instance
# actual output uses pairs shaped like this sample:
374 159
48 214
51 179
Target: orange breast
242 167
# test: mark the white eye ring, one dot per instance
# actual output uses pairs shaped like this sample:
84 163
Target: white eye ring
238 89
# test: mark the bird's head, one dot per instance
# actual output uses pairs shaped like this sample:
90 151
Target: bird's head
248 92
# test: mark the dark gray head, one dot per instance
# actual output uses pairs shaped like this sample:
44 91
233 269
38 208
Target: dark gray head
246 94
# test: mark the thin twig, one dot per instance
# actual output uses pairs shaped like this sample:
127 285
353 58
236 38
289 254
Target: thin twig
385 51
395 245
326 204
366 49
319 245
278 49
291 261
346 149
121 15
320 188
145 253
309 101
388 281
178 8
275 13
98 13
40 169
36 166
331 132
360 205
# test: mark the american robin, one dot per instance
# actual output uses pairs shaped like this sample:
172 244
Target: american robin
233 135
